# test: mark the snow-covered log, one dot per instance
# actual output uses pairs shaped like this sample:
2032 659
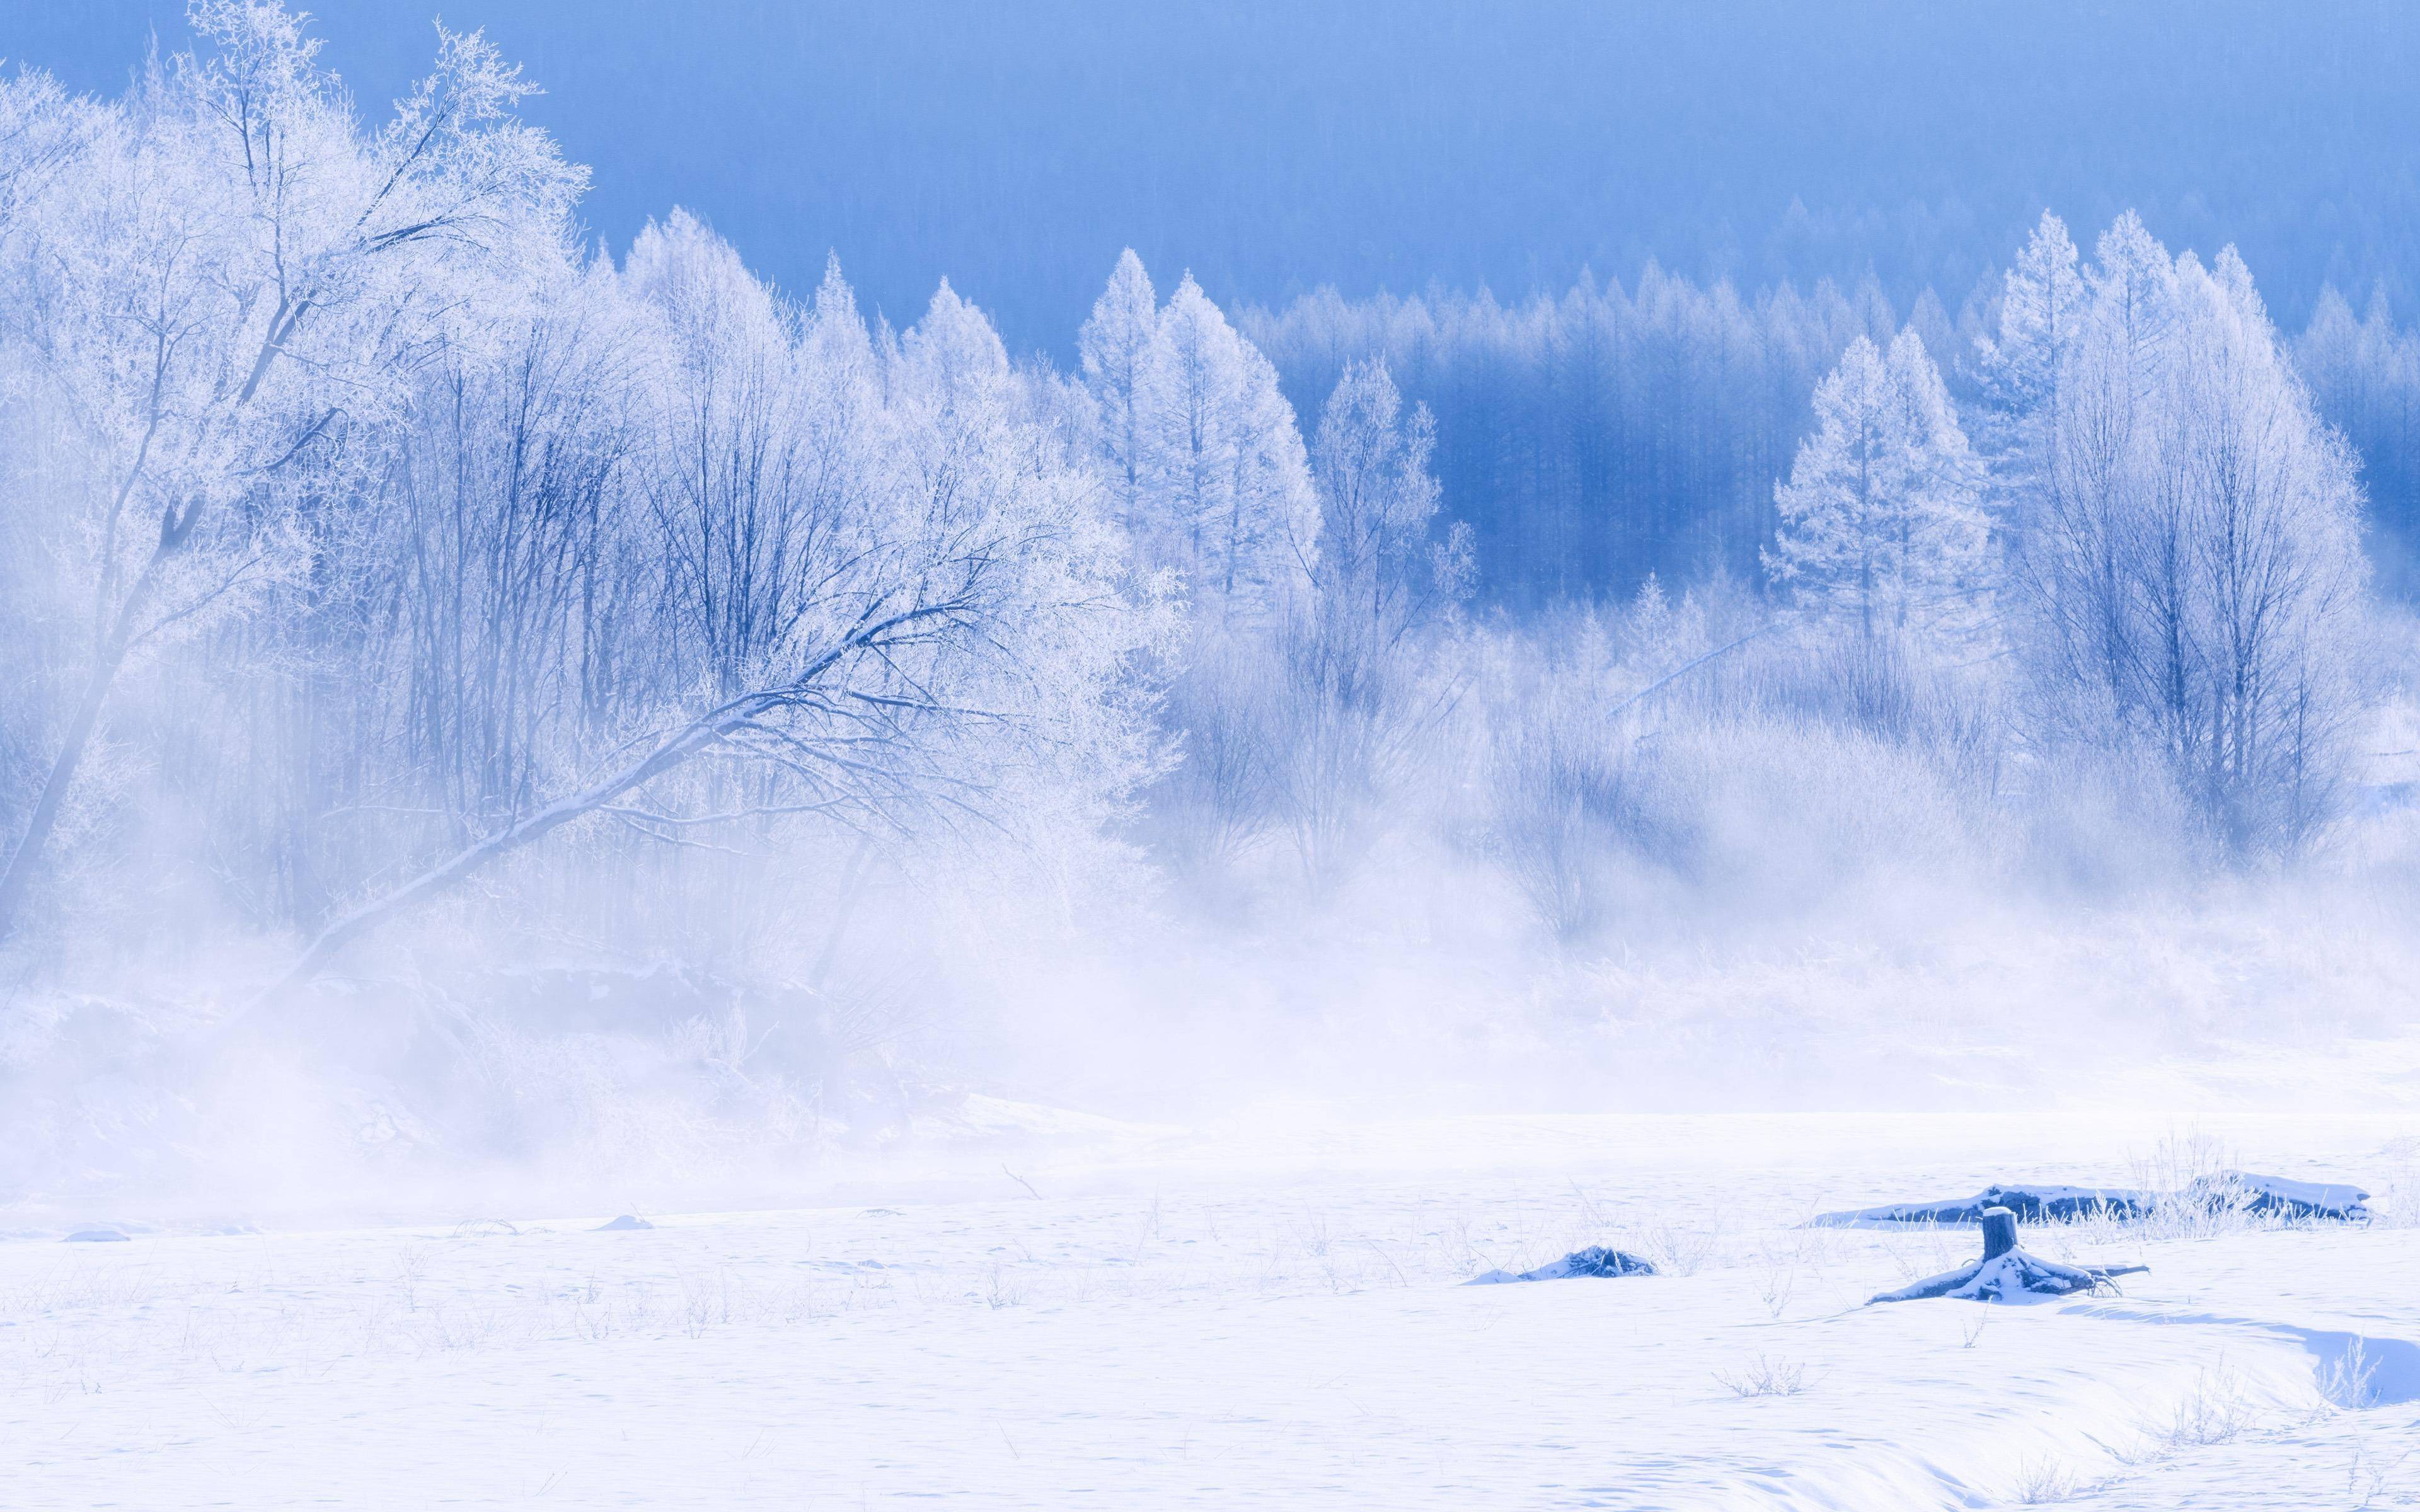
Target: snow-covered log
2223 1192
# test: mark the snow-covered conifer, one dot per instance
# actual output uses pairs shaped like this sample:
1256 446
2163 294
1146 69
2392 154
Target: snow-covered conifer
1231 477
2041 313
1881 527
1120 352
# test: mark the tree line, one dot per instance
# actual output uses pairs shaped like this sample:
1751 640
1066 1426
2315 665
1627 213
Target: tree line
372 540
1597 437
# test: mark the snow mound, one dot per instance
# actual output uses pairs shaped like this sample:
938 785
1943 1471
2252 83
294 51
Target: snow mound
96 1236
1595 1260
624 1223
980 1119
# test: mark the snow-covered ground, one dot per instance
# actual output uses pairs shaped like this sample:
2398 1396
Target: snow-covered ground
1089 1313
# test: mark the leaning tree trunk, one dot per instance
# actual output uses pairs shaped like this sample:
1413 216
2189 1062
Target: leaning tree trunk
703 732
17 879
670 753
108 657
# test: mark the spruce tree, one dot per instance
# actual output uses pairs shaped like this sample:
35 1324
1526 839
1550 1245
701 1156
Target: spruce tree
1881 526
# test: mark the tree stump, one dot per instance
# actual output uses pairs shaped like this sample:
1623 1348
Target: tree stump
1999 1232
2007 1274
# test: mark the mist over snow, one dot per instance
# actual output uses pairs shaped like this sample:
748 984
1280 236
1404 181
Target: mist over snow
942 752
479 700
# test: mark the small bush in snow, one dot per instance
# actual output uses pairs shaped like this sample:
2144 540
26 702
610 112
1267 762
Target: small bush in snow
1763 1376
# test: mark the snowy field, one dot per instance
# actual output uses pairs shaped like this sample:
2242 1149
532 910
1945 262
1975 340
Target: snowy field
1138 1317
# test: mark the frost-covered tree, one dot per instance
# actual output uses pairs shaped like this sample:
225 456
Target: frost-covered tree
1382 573
1384 578
1660 636
1595 436
2191 577
373 531
725 475
504 557
2365 373
949 639
1201 447
1231 478
2041 314
1881 525
223 278
1122 355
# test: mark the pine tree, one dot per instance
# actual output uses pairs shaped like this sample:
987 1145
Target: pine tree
1121 350
1881 525
2364 374
2042 317
1943 546
2134 292
1229 471
1381 577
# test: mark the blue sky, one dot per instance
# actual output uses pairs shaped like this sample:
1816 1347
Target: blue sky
1272 147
